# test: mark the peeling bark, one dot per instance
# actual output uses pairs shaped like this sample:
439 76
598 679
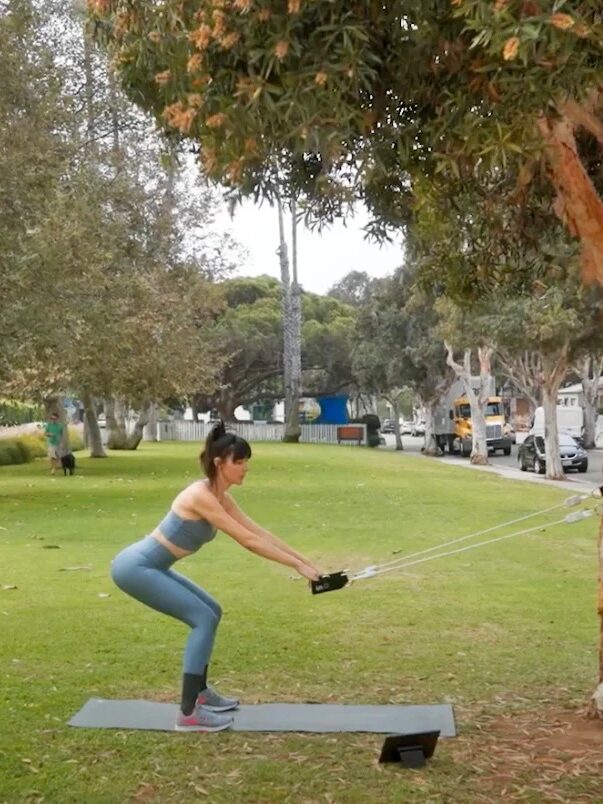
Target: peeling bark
479 449
590 370
554 374
431 446
578 204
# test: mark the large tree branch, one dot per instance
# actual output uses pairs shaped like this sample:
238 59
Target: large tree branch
460 371
525 374
578 204
584 115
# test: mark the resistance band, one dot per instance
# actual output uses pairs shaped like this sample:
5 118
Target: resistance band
338 580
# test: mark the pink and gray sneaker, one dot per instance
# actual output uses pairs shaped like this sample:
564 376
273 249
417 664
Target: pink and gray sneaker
210 699
202 719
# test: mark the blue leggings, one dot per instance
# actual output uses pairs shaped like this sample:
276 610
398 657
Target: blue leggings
143 571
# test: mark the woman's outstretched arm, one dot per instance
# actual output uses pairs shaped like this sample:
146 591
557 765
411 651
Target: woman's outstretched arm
235 512
211 510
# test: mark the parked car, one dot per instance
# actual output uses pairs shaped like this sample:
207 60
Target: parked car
388 426
531 454
405 426
418 429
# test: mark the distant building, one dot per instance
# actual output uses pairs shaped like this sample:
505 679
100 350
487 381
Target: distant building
572 395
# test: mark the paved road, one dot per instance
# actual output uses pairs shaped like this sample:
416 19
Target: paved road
507 464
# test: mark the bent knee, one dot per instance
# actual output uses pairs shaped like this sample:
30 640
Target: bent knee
205 617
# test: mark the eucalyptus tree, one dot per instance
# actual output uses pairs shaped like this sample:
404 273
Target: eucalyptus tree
463 330
362 101
560 323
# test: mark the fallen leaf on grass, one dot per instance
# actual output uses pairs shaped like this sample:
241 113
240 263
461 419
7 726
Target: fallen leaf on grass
75 569
5 587
200 790
51 547
145 792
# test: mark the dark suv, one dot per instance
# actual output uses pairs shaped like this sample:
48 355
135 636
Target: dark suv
531 454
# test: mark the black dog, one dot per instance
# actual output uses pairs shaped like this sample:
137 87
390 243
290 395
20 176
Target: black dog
68 463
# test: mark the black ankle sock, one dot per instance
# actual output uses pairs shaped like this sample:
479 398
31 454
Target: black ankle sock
204 679
192 684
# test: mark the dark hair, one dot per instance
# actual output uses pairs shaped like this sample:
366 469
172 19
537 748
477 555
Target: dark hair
220 444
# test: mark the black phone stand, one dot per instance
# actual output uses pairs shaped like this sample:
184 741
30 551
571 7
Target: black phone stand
409 750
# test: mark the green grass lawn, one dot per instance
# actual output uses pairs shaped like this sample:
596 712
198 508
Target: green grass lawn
509 628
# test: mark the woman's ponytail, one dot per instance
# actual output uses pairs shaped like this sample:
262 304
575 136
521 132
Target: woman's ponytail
221 444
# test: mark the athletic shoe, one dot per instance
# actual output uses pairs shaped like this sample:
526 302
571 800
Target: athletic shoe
202 719
212 700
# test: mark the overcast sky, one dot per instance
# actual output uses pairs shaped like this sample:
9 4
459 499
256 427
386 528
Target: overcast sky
323 258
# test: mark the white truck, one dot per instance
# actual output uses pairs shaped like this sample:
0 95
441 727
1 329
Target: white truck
570 420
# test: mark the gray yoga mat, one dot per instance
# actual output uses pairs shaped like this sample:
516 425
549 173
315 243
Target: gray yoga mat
99 713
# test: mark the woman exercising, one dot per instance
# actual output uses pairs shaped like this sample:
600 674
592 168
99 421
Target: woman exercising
143 570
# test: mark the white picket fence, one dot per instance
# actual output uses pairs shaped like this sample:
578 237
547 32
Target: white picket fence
251 431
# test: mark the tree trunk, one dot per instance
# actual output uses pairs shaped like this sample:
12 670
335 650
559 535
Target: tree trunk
195 408
93 434
121 409
291 384
431 444
153 419
292 424
226 407
554 372
395 403
117 436
293 431
394 400
478 402
590 371
578 204
596 703
134 439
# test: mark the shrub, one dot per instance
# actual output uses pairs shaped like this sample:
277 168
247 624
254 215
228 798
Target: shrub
76 442
36 444
21 449
12 453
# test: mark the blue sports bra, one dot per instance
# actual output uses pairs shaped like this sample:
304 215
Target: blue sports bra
188 534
